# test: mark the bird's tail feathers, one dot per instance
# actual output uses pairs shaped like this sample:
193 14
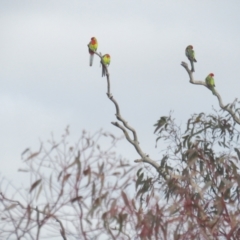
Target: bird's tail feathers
91 59
213 91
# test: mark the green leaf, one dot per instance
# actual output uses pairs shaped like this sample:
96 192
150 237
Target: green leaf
238 153
139 180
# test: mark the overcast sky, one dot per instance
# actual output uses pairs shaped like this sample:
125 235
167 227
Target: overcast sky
47 84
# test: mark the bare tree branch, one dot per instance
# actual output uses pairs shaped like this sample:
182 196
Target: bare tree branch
227 107
134 141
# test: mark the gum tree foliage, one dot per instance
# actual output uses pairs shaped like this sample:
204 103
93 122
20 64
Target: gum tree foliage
83 191
76 191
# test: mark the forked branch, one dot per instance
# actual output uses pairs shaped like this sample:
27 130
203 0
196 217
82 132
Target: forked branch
126 128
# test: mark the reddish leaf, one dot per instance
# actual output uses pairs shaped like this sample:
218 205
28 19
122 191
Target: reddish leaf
35 184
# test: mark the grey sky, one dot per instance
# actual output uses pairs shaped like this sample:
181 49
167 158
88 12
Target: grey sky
47 84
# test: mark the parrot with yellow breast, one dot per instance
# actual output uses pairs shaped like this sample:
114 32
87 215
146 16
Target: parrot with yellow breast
191 56
210 82
105 62
92 48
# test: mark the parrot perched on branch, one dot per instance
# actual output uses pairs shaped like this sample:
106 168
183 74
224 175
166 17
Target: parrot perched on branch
92 48
191 56
105 62
210 82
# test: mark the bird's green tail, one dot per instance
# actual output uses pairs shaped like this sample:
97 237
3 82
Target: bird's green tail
213 91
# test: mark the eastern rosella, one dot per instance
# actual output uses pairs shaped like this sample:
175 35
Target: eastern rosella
92 47
105 61
210 82
190 55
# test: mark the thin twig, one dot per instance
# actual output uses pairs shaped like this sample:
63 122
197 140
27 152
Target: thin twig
62 230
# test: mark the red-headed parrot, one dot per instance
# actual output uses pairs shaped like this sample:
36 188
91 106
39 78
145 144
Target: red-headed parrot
92 47
105 62
210 82
190 55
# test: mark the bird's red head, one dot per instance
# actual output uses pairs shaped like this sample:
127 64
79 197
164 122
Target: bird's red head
211 74
93 40
107 55
189 46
